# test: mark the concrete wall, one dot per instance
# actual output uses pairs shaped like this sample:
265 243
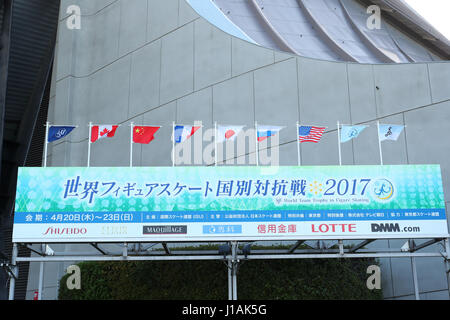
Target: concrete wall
152 61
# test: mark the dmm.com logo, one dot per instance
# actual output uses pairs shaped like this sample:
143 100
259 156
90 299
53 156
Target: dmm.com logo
392 227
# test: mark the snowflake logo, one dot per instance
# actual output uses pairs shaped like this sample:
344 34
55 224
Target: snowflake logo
315 187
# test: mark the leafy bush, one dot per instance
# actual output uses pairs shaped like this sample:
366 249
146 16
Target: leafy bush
292 279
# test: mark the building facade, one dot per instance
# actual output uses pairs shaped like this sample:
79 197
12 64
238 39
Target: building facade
159 62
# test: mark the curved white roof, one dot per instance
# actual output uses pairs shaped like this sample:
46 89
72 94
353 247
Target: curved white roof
336 30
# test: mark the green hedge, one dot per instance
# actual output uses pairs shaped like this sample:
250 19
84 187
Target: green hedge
292 279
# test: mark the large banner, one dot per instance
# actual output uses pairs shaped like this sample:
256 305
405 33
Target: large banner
228 203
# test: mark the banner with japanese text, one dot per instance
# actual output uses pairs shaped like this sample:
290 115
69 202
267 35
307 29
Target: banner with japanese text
228 203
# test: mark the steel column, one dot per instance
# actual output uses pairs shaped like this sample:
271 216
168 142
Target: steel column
5 38
415 280
15 272
447 263
234 263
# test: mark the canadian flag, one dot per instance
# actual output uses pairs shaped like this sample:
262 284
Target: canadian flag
104 131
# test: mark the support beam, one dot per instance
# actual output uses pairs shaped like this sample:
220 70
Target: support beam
34 250
415 279
361 245
447 262
234 263
423 245
98 248
341 247
220 257
295 246
5 37
15 272
166 248
230 280
125 251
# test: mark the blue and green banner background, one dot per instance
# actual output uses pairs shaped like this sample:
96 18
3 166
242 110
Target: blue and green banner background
246 195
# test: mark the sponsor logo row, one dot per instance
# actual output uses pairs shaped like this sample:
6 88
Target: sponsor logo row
319 228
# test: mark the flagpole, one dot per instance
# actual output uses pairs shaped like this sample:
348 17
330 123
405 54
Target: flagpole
89 145
299 160
215 143
173 143
256 141
339 143
47 126
379 143
131 144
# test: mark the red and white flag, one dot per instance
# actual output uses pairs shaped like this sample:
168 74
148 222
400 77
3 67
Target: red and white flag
144 134
228 133
103 131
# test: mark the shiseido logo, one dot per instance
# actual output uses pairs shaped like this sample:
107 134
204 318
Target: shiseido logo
165 230
61 231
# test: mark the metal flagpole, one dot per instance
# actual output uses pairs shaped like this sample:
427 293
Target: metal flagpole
415 280
299 160
41 274
89 145
339 142
230 281
12 280
131 144
379 143
173 143
234 264
215 143
447 262
47 126
256 141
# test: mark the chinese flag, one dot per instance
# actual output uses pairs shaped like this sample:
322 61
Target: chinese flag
144 134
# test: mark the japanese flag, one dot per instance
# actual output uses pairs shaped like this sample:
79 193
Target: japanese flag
103 131
228 133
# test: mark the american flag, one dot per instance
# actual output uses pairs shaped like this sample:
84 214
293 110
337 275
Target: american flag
310 133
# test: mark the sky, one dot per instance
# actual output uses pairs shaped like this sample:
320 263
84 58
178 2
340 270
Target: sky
436 12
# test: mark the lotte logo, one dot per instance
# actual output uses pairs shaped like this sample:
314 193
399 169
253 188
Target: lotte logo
334 228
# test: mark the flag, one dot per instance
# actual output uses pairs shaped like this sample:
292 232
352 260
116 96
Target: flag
265 132
182 133
103 131
310 133
350 132
228 133
144 134
58 132
389 131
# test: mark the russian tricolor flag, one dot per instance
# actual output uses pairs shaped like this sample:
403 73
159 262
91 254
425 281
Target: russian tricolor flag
265 132
182 133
